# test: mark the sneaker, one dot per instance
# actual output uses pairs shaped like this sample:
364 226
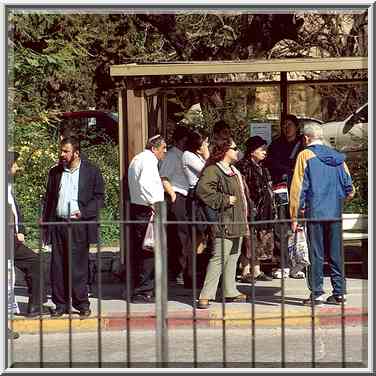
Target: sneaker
263 277
336 299
247 278
142 299
277 274
315 301
297 275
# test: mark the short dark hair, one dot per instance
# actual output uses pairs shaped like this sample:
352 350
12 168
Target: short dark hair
220 126
294 119
179 133
155 142
73 141
195 140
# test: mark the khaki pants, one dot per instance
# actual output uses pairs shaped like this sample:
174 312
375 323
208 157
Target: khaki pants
231 252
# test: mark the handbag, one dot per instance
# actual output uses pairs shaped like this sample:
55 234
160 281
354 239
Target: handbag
298 250
148 243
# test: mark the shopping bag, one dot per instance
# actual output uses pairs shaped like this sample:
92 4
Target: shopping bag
148 243
298 250
12 304
281 194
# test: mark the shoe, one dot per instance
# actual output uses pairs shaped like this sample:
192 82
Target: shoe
12 334
336 299
278 273
142 299
84 313
247 278
58 312
179 279
203 303
298 275
315 301
242 298
263 277
35 310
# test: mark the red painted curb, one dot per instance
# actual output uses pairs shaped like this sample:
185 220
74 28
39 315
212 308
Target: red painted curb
350 316
141 320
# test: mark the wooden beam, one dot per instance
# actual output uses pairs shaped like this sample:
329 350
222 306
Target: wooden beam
249 66
137 124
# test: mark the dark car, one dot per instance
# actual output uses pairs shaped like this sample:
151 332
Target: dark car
95 127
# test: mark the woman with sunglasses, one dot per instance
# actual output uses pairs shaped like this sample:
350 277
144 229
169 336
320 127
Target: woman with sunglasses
221 188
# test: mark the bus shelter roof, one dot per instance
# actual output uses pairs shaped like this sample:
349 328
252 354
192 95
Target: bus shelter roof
244 66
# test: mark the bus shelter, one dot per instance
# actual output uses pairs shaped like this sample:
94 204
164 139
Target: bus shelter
144 89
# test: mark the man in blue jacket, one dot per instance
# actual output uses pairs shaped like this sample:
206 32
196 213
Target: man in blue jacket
320 184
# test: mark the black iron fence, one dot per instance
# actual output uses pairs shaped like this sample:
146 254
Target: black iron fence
161 295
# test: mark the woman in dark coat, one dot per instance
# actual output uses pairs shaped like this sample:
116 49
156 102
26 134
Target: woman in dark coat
261 194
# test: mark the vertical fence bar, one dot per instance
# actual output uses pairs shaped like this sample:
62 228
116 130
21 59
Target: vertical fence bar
194 281
128 280
41 290
11 297
283 242
224 350
313 326
69 224
160 251
253 289
99 276
343 273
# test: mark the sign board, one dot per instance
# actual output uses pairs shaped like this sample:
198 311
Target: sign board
264 130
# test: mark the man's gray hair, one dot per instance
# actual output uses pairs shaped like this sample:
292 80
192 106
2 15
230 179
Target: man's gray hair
313 131
155 142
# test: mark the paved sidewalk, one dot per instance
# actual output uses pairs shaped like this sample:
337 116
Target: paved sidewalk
266 309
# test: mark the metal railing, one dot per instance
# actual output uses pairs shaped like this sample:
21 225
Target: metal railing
161 293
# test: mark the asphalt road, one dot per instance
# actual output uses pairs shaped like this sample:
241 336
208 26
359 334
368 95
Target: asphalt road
328 352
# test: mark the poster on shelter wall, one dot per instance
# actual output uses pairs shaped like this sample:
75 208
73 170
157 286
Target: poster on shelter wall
264 130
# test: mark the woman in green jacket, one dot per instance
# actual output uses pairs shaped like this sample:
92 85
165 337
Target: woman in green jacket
221 188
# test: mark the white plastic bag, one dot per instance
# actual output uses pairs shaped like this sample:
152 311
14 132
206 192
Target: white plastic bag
298 250
148 243
12 304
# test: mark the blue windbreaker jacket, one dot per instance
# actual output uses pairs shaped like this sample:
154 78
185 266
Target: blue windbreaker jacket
320 183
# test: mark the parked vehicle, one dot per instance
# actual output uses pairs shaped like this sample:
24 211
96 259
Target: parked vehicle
351 134
97 127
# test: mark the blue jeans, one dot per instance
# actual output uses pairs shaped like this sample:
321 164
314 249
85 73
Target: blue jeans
325 237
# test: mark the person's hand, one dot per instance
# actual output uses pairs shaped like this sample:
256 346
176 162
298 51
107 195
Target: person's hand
233 200
173 196
21 237
350 196
294 226
76 215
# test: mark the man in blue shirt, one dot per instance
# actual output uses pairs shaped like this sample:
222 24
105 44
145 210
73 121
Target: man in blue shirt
74 194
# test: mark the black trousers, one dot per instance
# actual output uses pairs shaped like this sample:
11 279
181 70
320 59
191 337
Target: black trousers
141 262
28 262
178 237
60 266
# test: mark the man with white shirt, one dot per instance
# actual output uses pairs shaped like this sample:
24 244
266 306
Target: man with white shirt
25 258
74 194
176 186
145 189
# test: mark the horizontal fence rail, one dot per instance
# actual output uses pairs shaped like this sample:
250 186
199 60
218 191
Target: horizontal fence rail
161 226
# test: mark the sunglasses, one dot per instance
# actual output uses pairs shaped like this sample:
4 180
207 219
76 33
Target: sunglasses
235 148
